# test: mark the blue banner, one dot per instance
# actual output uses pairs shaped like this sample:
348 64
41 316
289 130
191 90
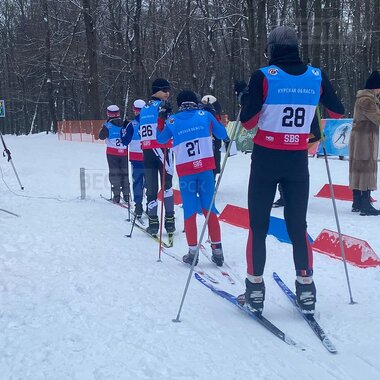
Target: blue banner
337 136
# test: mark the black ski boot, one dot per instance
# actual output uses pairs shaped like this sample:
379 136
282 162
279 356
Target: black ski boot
306 297
217 254
366 208
254 296
153 225
126 198
188 259
170 223
116 198
138 210
357 200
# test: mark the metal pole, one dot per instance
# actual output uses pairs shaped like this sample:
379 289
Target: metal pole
162 202
234 133
133 226
82 177
9 212
8 153
352 302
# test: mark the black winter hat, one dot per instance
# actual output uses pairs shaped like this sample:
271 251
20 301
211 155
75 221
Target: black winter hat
373 81
282 35
186 96
160 84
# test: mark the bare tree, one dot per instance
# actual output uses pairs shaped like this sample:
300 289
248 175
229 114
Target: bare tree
68 59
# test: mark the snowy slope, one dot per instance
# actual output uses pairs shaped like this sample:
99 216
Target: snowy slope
78 300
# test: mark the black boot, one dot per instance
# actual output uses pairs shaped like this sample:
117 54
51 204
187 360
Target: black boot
188 259
217 254
153 225
169 223
306 297
357 200
138 210
366 208
254 296
116 198
116 194
126 196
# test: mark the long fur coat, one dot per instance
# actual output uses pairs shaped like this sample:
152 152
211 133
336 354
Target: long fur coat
364 142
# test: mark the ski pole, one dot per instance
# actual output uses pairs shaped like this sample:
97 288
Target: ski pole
9 212
335 209
8 153
234 134
162 202
129 191
133 226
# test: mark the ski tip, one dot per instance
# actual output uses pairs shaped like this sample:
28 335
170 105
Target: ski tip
329 345
290 341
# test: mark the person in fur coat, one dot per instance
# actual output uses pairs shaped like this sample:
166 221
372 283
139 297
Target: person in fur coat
364 146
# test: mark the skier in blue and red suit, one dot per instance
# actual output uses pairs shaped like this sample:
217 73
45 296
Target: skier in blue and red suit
191 129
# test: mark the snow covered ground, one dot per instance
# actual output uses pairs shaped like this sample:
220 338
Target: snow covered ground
78 300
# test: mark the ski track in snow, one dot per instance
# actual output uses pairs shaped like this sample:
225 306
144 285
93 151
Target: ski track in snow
78 300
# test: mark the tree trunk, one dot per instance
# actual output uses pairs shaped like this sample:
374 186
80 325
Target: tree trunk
192 72
304 31
251 33
261 32
48 68
317 32
92 55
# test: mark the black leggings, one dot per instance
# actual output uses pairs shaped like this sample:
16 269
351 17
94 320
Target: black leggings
118 174
152 168
268 168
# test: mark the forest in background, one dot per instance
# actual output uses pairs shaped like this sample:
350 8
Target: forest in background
69 59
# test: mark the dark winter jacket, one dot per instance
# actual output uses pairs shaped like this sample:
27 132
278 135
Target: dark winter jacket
364 142
127 131
103 133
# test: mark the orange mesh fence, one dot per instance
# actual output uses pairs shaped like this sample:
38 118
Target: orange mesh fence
80 130
88 130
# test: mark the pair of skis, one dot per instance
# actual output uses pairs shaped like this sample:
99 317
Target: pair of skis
314 325
209 281
140 223
199 268
164 244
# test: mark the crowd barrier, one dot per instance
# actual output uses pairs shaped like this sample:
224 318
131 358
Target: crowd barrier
80 130
87 130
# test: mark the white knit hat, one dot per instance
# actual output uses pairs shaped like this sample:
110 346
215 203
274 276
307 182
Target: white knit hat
113 111
113 108
139 103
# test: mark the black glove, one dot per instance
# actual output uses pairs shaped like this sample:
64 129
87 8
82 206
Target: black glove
239 87
227 143
164 110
